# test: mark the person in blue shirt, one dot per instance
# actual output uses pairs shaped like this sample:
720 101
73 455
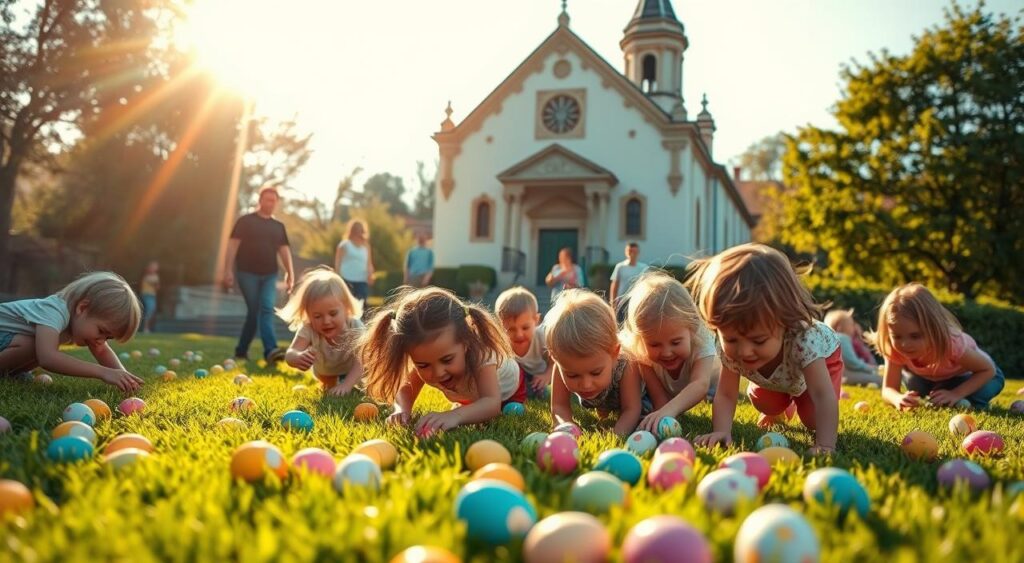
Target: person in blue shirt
419 263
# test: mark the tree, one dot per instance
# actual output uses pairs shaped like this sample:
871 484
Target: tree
388 189
924 179
276 153
423 207
762 161
389 238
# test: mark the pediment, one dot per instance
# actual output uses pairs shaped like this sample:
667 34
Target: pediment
556 162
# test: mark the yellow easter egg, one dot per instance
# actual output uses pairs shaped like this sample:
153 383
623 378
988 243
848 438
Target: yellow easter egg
128 441
920 446
486 451
380 451
99 408
169 375
14 497
778 454
501 472
252 460
425 554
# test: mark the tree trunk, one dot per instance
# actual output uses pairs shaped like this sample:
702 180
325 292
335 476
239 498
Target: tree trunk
8 175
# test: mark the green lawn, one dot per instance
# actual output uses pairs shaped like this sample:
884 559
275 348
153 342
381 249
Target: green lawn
183 505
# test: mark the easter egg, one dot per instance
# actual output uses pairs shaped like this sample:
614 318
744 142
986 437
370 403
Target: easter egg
920 446
99 408
597 492
567 536
983 442
75 428
154 352
136 354
531 442
962 471
252 461
159 370
365 411
501 472
776 532
872 385
486 451
559 454
750 464
665 539
299 389
201 373
622 464
513 409
569 428
357 470
962 404
838 488
723 489
124 355
174 362
169 375
678 446
962 424
772 440
381 451
197 358
231 423
124 457
79 412
1017 407
241 379
14 497
217 369
669 427
188 354
314 461
668 471
229 364
5 425
494 511
1020 391
69 448
778 454
425 554
132 405
862 406
43 379
123 441
1013 489
641 442
241 404
297 420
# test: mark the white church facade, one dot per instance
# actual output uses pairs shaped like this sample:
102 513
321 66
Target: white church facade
570 152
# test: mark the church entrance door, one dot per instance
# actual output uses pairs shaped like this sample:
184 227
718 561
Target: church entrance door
549 242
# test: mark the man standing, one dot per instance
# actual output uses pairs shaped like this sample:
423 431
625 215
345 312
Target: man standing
623 276
419 263
257 241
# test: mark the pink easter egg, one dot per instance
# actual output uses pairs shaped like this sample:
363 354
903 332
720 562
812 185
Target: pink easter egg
132 405
983 442
559 454
665 539
314 460
677 446
668 471
751 464
569 428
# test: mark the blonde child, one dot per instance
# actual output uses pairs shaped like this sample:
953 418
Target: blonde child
429 337
664 331
855 370
768 333
584 346
326 318
92 309
922 341
517 310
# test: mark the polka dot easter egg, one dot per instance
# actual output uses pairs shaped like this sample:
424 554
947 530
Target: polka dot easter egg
772 440
641 442
723 489
678 446
559 454
776 532
668 471
752 465
920 446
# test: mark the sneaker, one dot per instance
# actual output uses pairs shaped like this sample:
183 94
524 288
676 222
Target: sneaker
275 355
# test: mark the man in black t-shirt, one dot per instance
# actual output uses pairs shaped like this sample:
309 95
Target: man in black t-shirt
256 243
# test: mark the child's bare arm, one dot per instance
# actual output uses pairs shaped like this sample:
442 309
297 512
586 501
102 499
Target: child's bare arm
354 376
52 359
561 407
105 356
630 401
982 370
826 406
688 397
722 410
406 398
299 355
892 385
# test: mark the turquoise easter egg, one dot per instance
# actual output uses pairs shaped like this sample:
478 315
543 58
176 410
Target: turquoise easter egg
641 442
513 409
597 492
69 448
772 440
669 427
79 412
297 420
838 488
622 464
494 511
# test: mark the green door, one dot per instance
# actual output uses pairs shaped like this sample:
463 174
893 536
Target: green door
550 241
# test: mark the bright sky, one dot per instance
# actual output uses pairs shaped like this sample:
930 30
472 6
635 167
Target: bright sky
371 79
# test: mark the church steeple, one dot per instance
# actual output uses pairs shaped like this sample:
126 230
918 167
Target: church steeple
653 46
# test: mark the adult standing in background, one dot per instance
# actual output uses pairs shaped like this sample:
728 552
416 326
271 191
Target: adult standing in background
149 285
566 274
623 276
257 242
419 263
353 260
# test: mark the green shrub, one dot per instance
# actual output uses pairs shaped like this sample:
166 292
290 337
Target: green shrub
598 277
470 273
384 282
995 325
445 278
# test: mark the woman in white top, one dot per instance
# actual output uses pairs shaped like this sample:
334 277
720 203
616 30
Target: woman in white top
352 260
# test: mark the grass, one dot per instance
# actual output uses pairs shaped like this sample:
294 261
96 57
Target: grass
183 505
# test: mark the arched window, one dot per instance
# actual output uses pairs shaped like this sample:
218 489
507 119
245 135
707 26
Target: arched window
649 79
482 218
633 216
634 226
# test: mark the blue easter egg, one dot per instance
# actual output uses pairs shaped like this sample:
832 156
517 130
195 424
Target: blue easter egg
772 440
837 487
124 355
621 464
513 409
69 448
297 420
160 370
494 511
669 427
201 373
79 412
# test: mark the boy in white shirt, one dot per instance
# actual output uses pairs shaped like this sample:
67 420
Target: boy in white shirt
517 310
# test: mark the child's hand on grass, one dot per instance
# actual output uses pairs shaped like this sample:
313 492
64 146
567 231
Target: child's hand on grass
305 360
943 397
122 379
910 400
399 417
339 390
437 421
650 422
723 438
541 381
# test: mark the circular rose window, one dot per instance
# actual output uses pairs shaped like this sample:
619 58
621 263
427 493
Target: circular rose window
561 114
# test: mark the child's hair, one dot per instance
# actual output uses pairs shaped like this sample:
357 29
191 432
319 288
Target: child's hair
914 302
416 316
654 298
750 286
316 284
107 297
835 317
514 302
579 324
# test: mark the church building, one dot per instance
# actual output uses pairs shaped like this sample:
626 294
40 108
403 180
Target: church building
569 151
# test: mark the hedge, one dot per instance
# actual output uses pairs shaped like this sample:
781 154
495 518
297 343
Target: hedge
996 326
470 273
599 277
456 280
